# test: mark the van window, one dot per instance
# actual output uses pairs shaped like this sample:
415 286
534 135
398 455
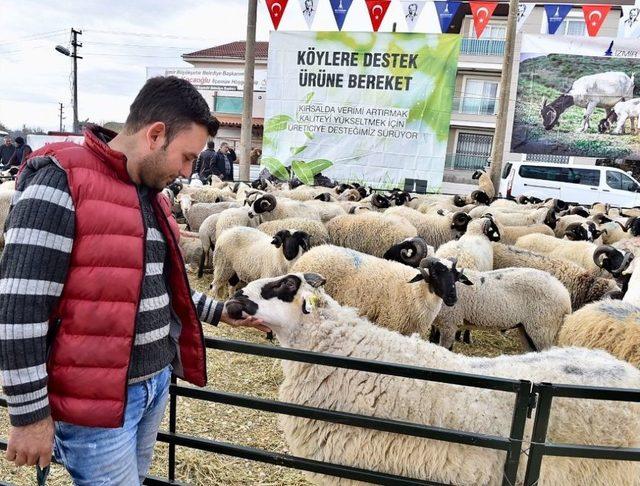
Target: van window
618 180
587 177
506 170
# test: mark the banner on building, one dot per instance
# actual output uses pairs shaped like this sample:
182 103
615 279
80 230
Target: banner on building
566 87
309 9
411 9
630 22
482 12
213 79
276 11
365 107
340 9
377 10
594 16
446 12
524 10
555 16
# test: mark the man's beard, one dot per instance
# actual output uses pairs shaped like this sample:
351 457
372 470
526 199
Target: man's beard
152 170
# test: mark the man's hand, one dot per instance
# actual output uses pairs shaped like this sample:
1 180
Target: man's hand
248 321
31 444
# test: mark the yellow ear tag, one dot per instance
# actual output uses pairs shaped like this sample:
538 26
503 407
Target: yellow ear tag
313 301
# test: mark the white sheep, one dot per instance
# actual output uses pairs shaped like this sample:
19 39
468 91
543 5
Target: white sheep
387 292
435 229
245 254
529 300
580 252
304 317
485 184
315 229
623 111
268 208
473 250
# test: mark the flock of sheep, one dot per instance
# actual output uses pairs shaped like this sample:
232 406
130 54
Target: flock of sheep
379 276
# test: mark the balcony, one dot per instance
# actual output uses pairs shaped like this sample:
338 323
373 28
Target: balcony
472 105
482 47
466 162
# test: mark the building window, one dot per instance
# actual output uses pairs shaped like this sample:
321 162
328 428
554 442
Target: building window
553 159
474 144
479 97
573 27
227 104
495 30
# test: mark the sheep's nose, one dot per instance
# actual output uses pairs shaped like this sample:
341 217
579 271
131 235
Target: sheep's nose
234 309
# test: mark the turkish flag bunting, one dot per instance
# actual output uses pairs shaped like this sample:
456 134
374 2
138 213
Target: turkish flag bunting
482 12
594 16
276 10
377 11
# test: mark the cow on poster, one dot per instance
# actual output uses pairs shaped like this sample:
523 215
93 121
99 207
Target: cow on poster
578 96
367 107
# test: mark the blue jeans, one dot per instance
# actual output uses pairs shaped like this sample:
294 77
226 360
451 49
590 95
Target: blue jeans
97 456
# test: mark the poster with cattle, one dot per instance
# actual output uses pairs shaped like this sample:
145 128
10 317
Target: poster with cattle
578 96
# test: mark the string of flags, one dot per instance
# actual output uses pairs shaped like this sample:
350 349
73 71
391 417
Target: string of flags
482 11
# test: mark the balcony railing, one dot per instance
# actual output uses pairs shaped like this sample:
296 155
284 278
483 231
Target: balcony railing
473 105
466 162
482 47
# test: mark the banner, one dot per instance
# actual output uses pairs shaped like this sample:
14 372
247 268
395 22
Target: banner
594 16
561 78
366 107
524 10
276 10
309 8
446 12
377 10
556 15
411 9
630 22
214 79
482 12
340 9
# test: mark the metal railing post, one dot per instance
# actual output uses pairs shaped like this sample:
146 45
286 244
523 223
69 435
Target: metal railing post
539 434
518 422
173 401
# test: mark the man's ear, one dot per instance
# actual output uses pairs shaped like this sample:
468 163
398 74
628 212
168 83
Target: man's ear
156 135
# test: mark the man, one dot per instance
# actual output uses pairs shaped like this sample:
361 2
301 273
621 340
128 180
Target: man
21 153
205 162
224 163
96 310
6 152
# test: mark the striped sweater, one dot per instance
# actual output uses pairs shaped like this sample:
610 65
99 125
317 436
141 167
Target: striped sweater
33 268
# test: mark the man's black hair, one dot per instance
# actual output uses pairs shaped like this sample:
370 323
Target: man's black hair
172 101
211 145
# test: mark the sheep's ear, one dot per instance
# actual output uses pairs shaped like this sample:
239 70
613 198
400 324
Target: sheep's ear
314 279
462 278
417 278
277 241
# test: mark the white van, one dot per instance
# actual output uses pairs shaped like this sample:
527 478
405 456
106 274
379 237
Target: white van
582 184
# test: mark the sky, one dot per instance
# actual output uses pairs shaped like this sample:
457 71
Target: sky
121 38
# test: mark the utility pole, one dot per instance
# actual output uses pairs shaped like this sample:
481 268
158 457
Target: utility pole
61 117
497 151
75 44
247 105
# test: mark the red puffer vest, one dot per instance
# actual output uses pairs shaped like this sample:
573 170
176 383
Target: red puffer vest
95 319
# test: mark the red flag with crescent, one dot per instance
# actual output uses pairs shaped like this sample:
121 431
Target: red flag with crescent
482 12
594 16
276 10
377 11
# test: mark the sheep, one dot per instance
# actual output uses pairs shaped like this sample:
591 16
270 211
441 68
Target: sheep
530 300
268 208
564 221
369 232
596 90
622 111
484 183
586 231
510 234
245 254
541 215
303 316
326 210
191 249
317 232
611 325
584 286
199 212
612 231
473 250
436 229
580 252
409 302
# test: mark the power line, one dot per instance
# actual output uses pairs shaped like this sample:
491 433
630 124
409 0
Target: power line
33 37
138 45
144 34
106 54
